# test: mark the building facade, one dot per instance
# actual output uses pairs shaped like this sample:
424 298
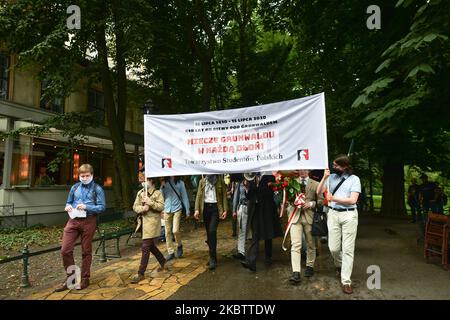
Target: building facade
25 180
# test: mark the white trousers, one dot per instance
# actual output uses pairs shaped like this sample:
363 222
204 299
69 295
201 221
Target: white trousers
242 218
342 228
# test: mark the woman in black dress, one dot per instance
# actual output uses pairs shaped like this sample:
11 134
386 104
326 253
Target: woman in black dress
262 219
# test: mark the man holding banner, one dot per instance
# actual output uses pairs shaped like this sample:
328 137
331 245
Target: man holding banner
342 196
301 218
211 200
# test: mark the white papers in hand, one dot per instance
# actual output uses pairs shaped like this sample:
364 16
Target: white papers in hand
75 213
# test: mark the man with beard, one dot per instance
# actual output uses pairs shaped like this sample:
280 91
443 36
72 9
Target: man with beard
211 200
342 196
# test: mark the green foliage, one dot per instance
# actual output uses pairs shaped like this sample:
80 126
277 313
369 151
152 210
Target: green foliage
15 239
409 98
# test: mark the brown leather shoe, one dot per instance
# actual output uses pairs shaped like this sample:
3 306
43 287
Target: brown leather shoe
346 288
62 287
84 284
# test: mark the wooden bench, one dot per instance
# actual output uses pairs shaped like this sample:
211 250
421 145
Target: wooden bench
436 238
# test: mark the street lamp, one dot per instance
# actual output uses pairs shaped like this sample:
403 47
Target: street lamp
148 107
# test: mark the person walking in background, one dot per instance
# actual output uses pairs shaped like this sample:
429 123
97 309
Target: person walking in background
175 197
344 190
211 200
413 200
439 200
263 219
88 197
149 204
230 182
240 211
426 195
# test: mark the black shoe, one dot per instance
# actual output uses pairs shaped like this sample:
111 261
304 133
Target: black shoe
170 256
309 272
246 265
295 277
238 256
180 251
212 263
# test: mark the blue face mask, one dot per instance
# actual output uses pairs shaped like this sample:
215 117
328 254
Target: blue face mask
86 180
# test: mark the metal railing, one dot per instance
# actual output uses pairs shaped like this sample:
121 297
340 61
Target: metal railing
26 254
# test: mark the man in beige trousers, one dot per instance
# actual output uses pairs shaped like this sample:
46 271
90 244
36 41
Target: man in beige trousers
302 223
344 190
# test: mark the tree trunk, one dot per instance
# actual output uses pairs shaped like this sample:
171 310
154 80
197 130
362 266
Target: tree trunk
203 54
117 189
121 72
206 84
393 201
119 151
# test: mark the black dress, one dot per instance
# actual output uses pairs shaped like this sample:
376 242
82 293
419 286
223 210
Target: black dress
262 212
263 218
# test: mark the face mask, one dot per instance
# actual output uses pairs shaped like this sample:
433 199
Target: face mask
337 171
86 180
146 183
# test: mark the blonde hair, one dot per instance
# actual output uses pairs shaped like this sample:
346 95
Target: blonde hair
84 168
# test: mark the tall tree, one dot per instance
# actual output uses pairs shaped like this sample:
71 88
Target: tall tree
38 33
405 110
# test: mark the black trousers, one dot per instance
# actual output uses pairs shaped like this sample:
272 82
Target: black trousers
211 218
252 251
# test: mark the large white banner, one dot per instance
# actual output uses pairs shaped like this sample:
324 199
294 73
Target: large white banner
285 135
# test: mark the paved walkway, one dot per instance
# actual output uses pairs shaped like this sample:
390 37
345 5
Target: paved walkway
387 243
112 282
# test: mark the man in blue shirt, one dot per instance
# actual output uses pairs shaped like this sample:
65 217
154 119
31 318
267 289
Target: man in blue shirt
342 196
175 197
87 199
